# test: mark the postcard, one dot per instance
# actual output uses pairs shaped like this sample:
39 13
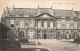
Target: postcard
39 25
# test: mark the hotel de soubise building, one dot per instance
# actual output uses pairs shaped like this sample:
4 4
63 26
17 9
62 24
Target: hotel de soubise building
42 23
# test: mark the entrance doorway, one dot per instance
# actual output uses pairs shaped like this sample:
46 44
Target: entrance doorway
45 36
21 35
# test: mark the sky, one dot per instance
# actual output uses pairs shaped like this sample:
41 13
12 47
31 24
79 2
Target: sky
56 4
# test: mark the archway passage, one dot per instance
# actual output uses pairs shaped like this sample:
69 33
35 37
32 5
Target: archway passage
21 34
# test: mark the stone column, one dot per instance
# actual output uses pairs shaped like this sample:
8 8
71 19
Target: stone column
41 23
35 34
41 34
49 34
35 22
17 33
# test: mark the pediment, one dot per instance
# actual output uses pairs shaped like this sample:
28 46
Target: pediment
45 16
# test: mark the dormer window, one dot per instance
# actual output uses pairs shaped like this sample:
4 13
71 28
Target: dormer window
63 17
71 17
17 15
12 23
67 18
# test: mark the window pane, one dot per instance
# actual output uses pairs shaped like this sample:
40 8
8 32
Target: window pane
75 25
39 24
31 23
58 24
12 21
21 24
67 25
71 24
51 24
45 24
63 24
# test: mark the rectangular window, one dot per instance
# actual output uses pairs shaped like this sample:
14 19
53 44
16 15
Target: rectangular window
31 23
67 25
45 24
39 24
51 24
48 24
71 24
58 24
12 21
63 24
75 25
21 23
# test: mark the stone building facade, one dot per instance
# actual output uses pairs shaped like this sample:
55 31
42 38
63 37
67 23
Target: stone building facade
42 23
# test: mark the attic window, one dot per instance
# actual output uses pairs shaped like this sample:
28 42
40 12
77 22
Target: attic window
63 17
17 15
67 18
12 15
31 16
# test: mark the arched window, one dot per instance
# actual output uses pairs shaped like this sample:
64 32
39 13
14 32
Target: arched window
67 32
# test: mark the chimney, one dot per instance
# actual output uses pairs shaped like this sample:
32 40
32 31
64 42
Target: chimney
51 6
38 6
13 6
72 8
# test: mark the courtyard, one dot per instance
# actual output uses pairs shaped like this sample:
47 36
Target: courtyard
59 45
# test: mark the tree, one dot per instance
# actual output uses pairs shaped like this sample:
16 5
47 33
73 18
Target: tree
3 31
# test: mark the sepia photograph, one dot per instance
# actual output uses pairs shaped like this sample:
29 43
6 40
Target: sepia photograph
39 25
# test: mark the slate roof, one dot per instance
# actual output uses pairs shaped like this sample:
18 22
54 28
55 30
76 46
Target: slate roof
33 12
77 13
23 12
64 13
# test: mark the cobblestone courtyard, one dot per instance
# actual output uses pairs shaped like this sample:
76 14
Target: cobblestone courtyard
60 45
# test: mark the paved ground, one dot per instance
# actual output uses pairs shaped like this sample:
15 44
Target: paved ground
60 45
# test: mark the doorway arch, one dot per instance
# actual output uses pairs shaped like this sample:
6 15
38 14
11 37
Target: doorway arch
45 36
21 34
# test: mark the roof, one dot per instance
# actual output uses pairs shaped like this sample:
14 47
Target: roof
33 12
23 12
64 13
77 13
